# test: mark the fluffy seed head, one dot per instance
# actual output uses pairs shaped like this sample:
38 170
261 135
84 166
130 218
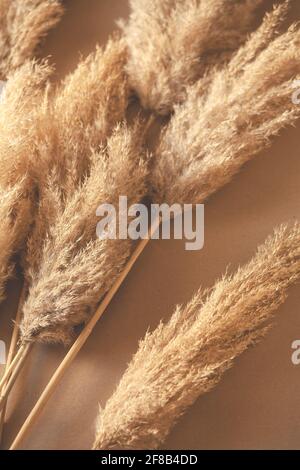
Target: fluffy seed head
187 357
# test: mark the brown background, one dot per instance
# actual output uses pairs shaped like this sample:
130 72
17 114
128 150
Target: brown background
257 405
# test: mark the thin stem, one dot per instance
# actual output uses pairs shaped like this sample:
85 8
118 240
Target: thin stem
9 370
15 374
13 347
80 341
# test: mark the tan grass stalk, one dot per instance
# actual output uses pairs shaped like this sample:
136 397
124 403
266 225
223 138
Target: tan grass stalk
80 341
21 99
11 367
72 120
88 105
5 390
229 119
172 43
23 23
76 269
187 357
77 119
13 347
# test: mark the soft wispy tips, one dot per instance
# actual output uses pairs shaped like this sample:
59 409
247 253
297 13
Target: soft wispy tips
23 24
229 117
171 44
73 124
76 269
22 97
188 356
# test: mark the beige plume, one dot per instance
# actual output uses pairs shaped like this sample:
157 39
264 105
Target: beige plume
173 43
23 23
74 122
76 268
21 99
229 117
187 357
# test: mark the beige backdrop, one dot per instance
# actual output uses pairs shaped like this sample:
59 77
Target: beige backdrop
257 405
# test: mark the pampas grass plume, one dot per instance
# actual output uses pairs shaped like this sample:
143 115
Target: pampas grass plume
76 269
229 116
75 121
23 23
23 95
173 43
186 357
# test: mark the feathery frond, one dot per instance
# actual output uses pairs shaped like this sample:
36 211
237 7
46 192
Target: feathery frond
187 357
73 124
23 23
19 104
173 43
76 268
228 119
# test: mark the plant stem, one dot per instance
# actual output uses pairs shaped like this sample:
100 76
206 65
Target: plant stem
80 341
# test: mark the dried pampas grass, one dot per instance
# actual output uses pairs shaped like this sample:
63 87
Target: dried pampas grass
23 23
22 97
76 269
229 117
73 132
92 100
187 357
46 137
13 206
74 122
173 43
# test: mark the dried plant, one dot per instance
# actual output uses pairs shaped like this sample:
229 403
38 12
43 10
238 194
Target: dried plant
79 117
76 268
23 23
13 204
71 123
187 357
22 97
228 119
46 139
93 99
172 43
